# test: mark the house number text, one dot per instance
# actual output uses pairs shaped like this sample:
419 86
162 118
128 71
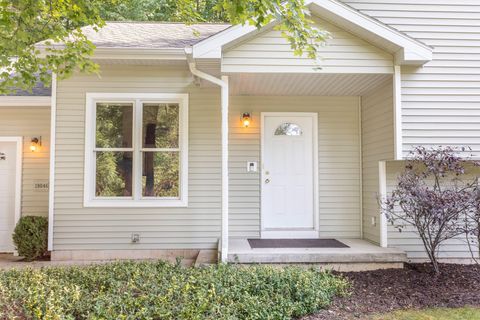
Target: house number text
40 185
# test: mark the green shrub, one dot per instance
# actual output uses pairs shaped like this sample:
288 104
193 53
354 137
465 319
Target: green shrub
31 237
159 290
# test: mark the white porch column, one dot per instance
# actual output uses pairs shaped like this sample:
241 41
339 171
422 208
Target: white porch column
397 112
382 192
225 179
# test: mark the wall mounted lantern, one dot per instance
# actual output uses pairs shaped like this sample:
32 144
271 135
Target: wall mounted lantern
35 144
246 119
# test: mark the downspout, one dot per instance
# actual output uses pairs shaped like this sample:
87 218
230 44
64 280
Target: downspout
223 84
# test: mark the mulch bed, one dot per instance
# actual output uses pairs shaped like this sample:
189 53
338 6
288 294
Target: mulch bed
413 287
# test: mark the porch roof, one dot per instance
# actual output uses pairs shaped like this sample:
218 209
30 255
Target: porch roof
297 84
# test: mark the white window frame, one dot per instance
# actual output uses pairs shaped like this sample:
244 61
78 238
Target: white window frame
136 201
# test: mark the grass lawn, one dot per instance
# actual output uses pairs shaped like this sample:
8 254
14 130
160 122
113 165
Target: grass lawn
433 314
159 290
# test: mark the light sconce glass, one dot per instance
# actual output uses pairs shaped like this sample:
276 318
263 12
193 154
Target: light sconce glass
246 119
35 144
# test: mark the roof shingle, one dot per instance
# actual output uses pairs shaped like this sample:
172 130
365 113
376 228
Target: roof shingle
151 35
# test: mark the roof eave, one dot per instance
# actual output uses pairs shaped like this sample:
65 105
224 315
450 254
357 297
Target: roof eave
142 53
25 101
139 53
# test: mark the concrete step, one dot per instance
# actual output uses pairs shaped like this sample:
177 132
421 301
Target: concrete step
316 257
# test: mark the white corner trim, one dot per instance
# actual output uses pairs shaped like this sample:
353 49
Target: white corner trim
51 183
18 174
397 113
382 194
360 159
225 177
18 179
89 199
26 101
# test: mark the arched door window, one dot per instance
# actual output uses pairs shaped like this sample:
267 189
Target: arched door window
288 129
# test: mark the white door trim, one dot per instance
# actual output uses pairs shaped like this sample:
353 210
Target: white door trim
300 234
18 173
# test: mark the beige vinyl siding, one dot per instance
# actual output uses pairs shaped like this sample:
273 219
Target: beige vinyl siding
343 53
338 154
377 145
408 240
440 101
28 123
194 227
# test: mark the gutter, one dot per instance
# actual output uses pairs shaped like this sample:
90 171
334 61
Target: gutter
223 84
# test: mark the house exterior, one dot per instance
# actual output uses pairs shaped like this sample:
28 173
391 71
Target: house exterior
153 158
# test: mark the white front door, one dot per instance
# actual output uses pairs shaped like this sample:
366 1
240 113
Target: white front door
288 175
8 189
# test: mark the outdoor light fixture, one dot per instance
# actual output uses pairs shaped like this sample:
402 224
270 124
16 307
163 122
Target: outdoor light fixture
246 119
35 144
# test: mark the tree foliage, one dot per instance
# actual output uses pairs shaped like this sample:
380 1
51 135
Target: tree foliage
164 10
434 196
25 23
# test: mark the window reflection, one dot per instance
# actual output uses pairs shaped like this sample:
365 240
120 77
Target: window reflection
160 125
288 129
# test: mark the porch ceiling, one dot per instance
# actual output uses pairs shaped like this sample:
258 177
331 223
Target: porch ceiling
305 84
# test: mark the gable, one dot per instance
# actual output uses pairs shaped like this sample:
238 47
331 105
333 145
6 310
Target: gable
268 52
406 50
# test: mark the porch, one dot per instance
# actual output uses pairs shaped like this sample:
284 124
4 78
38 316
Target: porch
359 255
335 161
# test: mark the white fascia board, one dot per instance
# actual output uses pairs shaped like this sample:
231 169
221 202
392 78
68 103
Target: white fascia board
112 53
25 101
410 51
404 57
138 53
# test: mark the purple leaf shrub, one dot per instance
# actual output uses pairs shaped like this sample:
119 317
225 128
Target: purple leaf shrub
434 196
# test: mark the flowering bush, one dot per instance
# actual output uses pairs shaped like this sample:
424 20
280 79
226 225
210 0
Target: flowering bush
159 290
433 197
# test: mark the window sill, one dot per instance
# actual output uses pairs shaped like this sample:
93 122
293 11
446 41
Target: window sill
127 203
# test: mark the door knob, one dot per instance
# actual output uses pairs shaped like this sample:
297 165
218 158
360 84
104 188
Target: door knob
267 180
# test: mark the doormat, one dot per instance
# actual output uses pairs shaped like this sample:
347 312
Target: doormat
296 243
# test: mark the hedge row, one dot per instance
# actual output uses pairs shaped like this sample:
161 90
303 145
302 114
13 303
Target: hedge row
159 290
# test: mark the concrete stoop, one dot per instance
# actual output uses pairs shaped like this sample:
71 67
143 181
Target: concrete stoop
360 256
322 262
